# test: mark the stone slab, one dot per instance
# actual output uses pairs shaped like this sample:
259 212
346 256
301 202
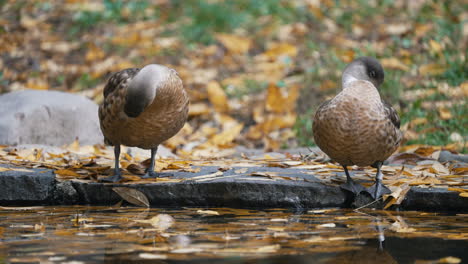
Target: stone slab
40 187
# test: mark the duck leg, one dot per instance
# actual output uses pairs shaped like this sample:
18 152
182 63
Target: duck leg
378 189
351 185
150 173
117 174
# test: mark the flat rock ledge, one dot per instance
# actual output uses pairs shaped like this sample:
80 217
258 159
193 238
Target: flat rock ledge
40 187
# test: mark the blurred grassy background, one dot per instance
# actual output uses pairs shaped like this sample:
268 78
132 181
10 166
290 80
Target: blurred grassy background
246 46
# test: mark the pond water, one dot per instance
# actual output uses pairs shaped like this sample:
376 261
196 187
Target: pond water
82 234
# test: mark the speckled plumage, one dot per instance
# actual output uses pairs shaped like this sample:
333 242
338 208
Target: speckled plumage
357 127
354 128
162 119
143 118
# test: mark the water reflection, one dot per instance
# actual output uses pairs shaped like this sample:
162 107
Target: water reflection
103 234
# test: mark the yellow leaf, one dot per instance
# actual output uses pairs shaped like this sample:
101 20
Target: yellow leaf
327 85
278 122
75 146
227 136
445 114
460 190
435 46
207 212
199 109
449 260
418 121
398 195
432 69
464 88
234 44
217 97
281 49
278 102
346 55
65 172
464 194
94 53
394 63
422 29
37 84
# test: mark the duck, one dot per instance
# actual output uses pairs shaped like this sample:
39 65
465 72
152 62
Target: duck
357 127
142 107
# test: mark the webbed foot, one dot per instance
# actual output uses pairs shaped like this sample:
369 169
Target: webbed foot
150 174
377 190
117 176
353 187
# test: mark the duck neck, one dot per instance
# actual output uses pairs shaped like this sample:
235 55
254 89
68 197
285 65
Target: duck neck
346 80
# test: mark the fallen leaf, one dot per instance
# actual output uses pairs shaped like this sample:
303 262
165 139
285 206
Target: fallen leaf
136 169
397 196
132 196
234 44
152 256
207 212
217 97
280 49
65 172
161 221
394 63
449 260
432 69
445 114
327 225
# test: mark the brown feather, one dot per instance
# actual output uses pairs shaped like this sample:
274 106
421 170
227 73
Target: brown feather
159 121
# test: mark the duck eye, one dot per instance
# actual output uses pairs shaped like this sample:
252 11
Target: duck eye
372 74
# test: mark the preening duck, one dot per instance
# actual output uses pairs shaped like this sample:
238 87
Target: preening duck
142 108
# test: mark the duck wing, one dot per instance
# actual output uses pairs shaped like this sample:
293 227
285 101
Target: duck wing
391 113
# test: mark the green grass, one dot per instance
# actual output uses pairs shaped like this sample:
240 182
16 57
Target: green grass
249 87
437 131
206 18
113 12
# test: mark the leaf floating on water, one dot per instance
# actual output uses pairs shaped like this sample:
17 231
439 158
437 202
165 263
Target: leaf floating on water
161 221
400 226
132 196
207 212
449 260
327 225
152 256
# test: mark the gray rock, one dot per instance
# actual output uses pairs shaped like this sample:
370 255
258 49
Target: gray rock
49 118
300 191
26 186
448 156
65 193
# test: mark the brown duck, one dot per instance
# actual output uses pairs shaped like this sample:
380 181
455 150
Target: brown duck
142 108
357 127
